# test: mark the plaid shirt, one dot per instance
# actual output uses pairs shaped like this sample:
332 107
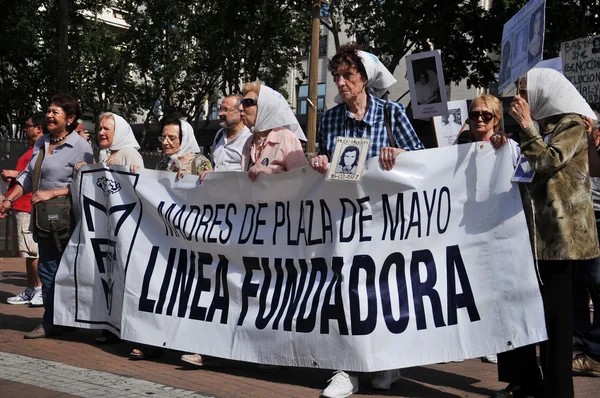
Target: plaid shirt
337 122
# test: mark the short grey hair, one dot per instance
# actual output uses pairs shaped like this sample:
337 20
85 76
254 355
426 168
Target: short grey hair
106 115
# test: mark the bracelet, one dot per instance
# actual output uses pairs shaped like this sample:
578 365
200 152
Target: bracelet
11 202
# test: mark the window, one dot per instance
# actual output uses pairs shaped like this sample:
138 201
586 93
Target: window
302 101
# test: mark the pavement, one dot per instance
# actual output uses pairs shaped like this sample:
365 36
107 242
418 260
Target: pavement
72 365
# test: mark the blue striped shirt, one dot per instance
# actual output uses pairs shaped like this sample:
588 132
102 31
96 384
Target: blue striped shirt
337 122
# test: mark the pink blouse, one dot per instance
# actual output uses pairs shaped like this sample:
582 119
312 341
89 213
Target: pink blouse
282 152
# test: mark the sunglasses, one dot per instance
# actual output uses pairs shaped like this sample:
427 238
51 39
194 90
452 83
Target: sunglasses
486 116
246 102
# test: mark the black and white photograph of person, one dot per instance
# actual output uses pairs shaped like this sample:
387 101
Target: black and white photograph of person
536 35
452 123
349 157
506 65
447 127
348 160
596 45
426 81
519 52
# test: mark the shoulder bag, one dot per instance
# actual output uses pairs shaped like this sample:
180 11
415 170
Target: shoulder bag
52 218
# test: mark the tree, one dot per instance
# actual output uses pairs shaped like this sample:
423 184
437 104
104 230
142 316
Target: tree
393 29
100 74
186 51
467 35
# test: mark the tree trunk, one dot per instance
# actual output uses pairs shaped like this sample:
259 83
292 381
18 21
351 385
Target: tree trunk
62 65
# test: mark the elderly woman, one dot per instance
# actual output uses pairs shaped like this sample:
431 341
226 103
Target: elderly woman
485 115
275 143
117 142
182 157
118 147
182 153
360 78
561 224
62 151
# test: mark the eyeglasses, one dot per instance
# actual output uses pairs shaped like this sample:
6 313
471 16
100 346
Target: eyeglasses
170 139
26 125
246 102
222 109
486 116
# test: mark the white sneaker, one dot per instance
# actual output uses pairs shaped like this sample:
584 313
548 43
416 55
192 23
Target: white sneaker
37 300
490 358
383 380
22 298
341 385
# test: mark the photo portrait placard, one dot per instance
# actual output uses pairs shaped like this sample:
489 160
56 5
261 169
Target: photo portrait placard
426 83
448 127
348 159
522 43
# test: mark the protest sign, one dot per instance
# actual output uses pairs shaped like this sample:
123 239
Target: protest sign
522 43
447 128
581 65
426 83
426 263
348 159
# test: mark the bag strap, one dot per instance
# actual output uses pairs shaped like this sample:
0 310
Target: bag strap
218 137
38 168
388 124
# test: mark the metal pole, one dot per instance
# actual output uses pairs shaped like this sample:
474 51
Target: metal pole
313 80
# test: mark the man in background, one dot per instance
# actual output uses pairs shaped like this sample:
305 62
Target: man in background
28 248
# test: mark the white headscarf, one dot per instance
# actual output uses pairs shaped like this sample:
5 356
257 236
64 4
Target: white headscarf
123 137
379 78
188 143
274 111
550 93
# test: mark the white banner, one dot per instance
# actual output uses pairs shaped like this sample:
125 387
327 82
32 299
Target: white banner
426 263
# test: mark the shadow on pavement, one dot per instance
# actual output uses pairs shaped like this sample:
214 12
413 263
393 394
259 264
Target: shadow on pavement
446 379
20 323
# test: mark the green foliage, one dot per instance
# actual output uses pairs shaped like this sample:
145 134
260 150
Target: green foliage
180 52
393 29
186 51
466 34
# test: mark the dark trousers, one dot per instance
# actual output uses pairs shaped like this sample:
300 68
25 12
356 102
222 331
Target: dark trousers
520 365
586 281
47 267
